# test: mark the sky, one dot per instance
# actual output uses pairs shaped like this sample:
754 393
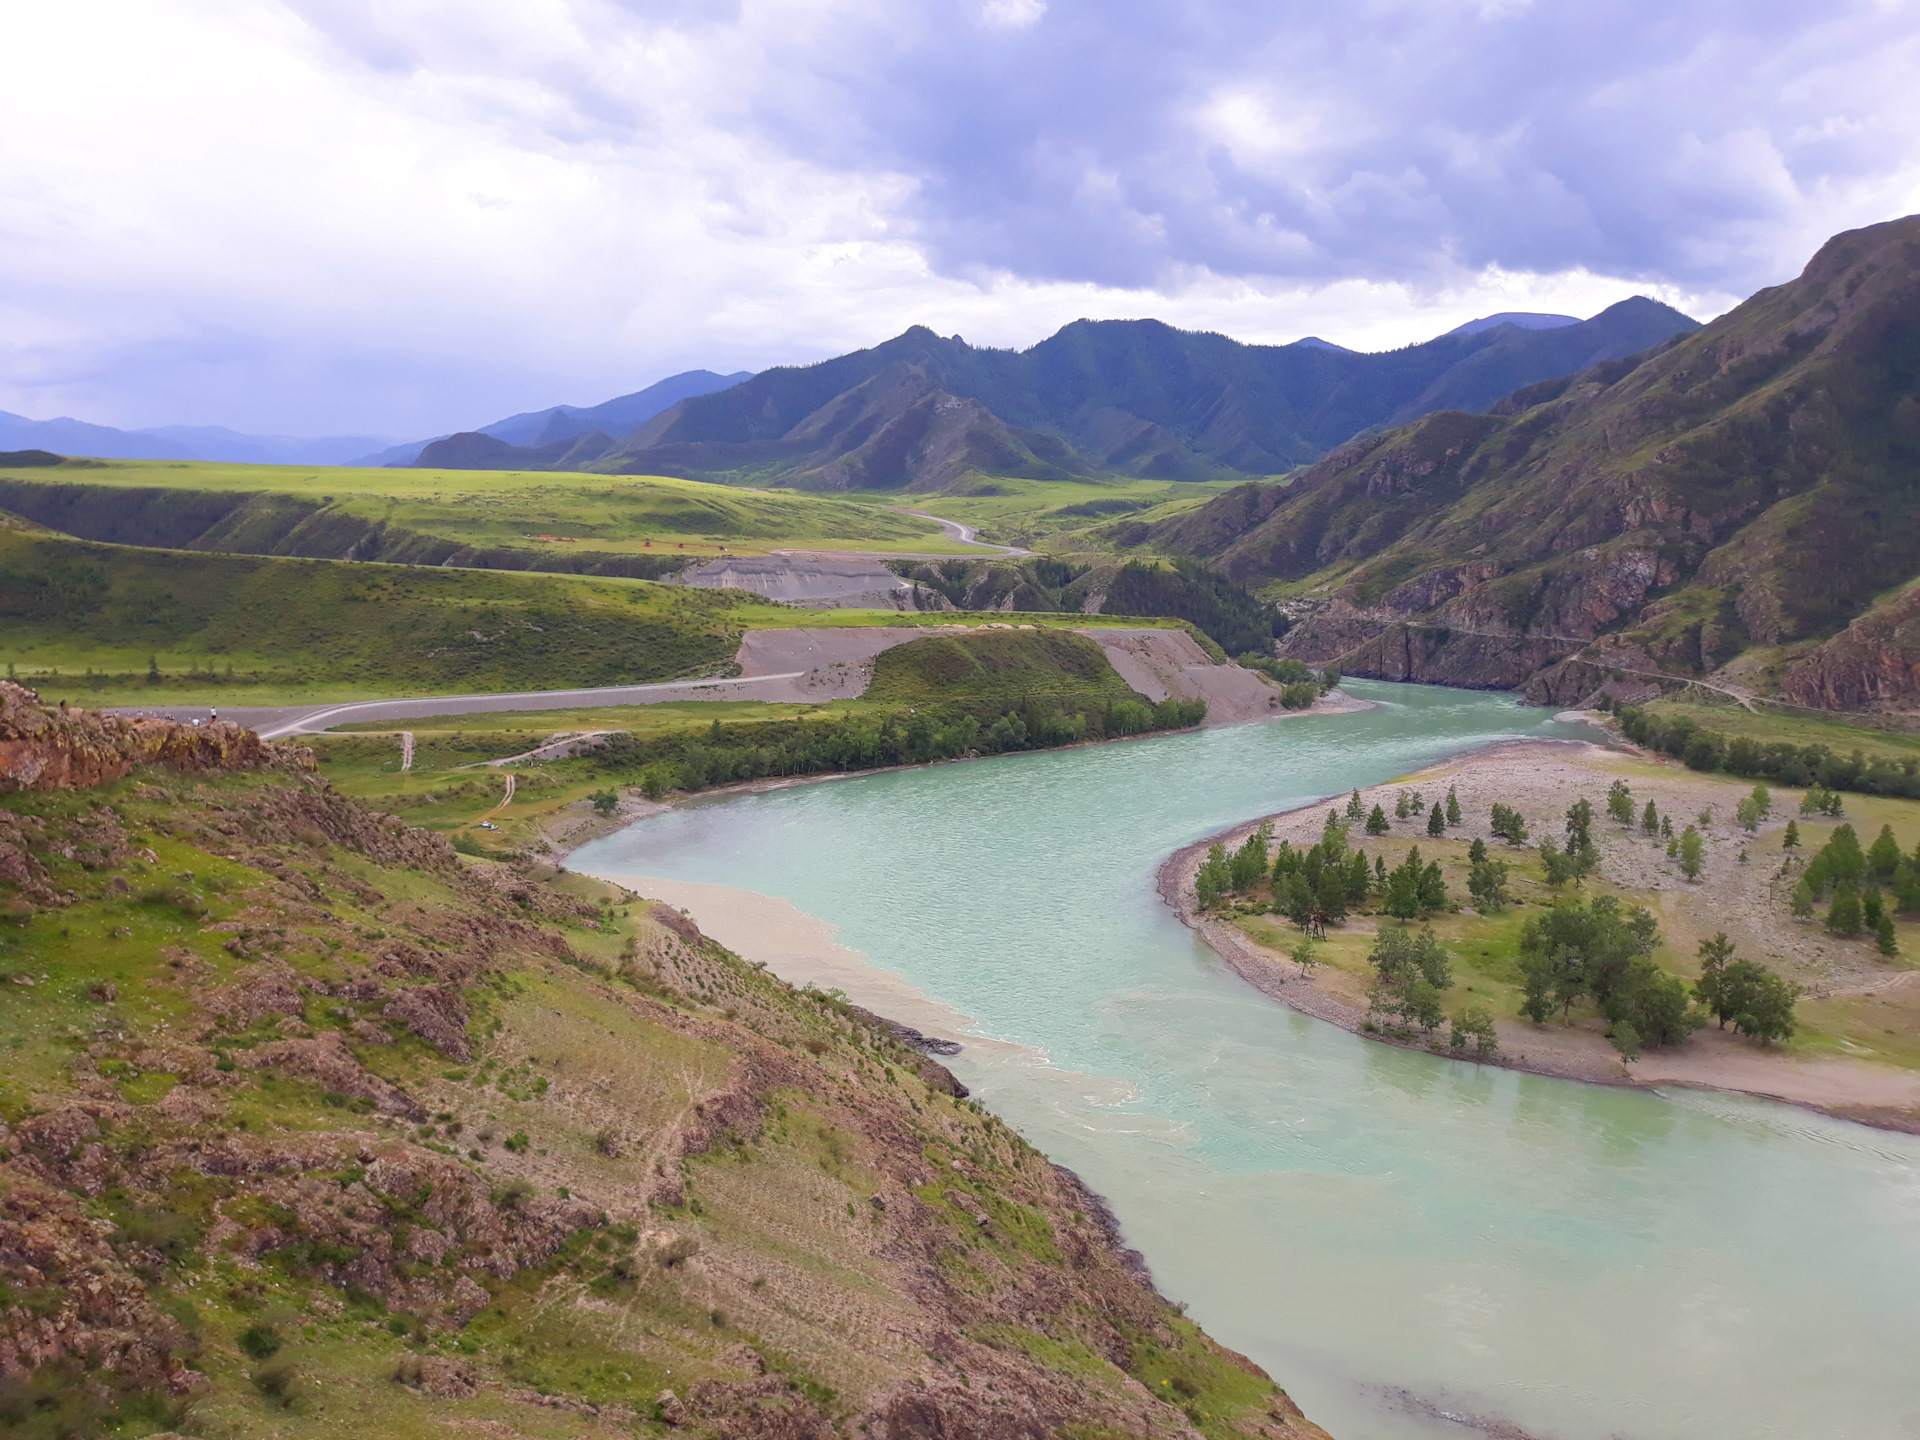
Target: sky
400 217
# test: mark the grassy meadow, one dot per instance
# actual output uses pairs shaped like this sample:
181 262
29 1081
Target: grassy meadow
541 511
1770 725
83 622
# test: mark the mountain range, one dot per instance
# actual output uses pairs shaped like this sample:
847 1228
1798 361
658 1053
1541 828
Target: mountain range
1743 498
66 436
1110 397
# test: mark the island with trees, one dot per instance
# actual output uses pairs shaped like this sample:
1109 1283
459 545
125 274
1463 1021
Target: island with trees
1611 916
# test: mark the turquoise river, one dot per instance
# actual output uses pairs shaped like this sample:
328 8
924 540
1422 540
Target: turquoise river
1415 1247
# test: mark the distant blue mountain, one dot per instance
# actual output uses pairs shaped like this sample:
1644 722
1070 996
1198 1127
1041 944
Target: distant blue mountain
66 436
615 417
535 428
1525 319
216 442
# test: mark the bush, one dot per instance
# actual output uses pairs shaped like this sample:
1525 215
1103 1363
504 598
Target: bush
1300 696
1473 1028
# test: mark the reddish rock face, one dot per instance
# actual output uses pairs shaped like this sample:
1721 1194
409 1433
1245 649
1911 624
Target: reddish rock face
1873 664
43 747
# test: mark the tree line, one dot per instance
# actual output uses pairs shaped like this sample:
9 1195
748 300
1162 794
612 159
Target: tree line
1782 762
1862 888
753 750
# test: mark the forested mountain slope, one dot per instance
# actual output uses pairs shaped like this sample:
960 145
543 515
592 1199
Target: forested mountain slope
1117 397
1746 490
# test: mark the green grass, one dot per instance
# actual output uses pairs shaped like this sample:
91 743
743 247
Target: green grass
1034 513
996 665
546 512
290 627
252 630
1770 725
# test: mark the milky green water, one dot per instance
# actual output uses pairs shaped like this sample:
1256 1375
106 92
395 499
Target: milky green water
1389 1233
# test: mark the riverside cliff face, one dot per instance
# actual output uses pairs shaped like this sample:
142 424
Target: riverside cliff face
1746 484
307 1115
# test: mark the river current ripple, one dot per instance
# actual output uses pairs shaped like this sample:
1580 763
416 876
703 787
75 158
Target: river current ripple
1398 1238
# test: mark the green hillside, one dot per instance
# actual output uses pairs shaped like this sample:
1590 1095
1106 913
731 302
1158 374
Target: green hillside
83 621
316 1128
295 626
997 665
640 526
1750 485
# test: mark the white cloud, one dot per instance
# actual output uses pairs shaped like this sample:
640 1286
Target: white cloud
415 214
1013 14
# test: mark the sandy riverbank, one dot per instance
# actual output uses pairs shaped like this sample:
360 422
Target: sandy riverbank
805 950
1541 778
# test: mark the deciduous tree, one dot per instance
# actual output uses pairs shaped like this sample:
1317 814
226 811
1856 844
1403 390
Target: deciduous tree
1620 802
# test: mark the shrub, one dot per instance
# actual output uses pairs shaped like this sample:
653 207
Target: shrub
260 1341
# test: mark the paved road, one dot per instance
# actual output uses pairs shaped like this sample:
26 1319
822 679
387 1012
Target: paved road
965 534
278 722
957 532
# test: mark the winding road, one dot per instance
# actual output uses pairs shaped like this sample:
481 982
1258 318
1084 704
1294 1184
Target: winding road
277 722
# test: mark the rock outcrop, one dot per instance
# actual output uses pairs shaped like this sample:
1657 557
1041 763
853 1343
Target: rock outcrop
1874 664
44 747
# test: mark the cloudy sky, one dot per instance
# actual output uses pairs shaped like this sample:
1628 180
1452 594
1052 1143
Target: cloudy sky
404 216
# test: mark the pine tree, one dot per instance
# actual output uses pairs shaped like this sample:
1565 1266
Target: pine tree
1355 811
1715 955
1377 823
1453 807
1802 899
1436 822
1884 855
1477 852
1791 840
1580 824
1402 805
1487 884
1844 915
1883 936
1650 819
1403 888
1690 853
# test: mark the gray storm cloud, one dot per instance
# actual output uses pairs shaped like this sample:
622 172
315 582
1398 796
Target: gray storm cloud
409 216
